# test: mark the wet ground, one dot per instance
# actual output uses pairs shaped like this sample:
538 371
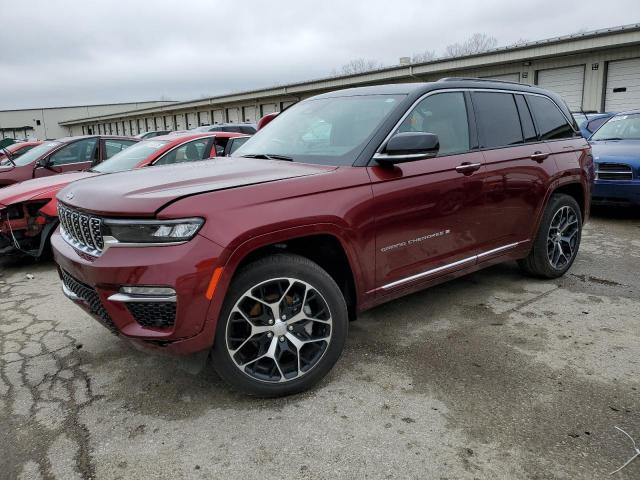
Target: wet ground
494 375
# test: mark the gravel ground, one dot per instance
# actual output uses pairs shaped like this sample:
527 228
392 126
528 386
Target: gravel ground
494 375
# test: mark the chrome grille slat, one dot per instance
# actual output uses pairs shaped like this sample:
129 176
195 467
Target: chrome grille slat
613 171
81 231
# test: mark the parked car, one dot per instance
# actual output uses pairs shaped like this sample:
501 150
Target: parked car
616 153
28 210
592 122
15 150
64 155
152 133
246 128
347 200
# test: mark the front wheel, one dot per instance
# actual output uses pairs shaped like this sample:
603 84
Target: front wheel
558 239
282 327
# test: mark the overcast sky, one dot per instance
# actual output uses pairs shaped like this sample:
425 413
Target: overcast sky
67 52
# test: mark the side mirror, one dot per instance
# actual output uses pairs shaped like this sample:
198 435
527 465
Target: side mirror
408 147
42 163
266 120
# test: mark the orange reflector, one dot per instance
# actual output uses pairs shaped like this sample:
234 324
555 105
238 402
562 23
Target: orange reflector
217 273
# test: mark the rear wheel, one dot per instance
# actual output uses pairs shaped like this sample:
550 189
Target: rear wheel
558 239
282 328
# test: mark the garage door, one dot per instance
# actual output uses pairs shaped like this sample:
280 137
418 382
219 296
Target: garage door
623 85
567 82
267 108
218 116
507 77
233 115
192 120
249 114
204 118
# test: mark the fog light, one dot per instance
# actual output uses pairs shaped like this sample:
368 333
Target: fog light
149 291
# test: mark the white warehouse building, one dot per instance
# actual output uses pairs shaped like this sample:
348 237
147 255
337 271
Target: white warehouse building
594 72
45 123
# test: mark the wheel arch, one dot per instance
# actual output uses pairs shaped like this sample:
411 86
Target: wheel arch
326 245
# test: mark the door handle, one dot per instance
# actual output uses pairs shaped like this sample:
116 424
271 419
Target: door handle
468 168
539 156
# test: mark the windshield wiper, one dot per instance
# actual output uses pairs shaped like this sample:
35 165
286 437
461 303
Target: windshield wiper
610 138
8 155
268 156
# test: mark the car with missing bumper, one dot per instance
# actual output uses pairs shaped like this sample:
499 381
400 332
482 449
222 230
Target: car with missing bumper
28 210
346 200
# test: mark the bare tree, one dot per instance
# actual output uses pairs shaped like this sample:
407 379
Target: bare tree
358 65
520 42
477 43
426 56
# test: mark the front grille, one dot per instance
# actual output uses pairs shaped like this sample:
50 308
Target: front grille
91 298
613 171
152 314
80 230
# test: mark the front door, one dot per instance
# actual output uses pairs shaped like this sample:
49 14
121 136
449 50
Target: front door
425 210
76 156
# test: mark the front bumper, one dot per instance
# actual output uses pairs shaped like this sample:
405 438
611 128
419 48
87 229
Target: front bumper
94 284
610 192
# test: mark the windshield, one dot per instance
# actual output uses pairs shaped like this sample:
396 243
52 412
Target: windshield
327 131
620 127
130 157
35 153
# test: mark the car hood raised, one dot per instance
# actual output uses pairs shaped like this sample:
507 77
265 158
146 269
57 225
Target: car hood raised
625 151
145 191
39 187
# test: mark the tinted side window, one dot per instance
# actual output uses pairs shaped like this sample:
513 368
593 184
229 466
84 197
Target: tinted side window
76 152
115 146
528 129
189 152
237 143
497 118
551 123
248 130
444 114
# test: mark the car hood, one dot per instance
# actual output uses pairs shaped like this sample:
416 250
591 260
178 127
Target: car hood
39 187
144 192
625 151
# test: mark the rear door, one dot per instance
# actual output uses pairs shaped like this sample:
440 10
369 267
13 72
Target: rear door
75 156
516 173
425 210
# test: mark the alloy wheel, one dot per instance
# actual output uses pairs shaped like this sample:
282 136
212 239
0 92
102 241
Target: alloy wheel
562 239
279 330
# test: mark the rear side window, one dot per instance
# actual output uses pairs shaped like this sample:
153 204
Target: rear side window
528 129
551 123
497 119
445 115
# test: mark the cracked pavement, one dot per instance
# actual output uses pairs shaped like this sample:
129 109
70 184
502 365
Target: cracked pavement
494 375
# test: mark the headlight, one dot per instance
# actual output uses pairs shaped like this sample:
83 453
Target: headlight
152 231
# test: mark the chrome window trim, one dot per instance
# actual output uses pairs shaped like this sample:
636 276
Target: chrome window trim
473 258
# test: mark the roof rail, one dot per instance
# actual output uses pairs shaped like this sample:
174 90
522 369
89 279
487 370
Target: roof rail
457 79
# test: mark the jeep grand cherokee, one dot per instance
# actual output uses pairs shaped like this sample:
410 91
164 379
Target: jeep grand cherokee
344 201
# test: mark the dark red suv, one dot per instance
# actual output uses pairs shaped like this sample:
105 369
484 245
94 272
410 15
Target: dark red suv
345 201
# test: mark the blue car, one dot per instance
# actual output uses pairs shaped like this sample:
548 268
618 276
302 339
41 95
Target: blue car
616 154
592 122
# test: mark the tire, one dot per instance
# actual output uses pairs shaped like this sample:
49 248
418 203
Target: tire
551 242
307 339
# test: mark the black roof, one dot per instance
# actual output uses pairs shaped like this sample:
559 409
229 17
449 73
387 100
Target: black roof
416 90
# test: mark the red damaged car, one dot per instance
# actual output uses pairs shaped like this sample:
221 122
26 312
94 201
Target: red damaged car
69 154
28 210
344 201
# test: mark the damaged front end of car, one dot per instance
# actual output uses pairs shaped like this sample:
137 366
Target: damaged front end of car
25 228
